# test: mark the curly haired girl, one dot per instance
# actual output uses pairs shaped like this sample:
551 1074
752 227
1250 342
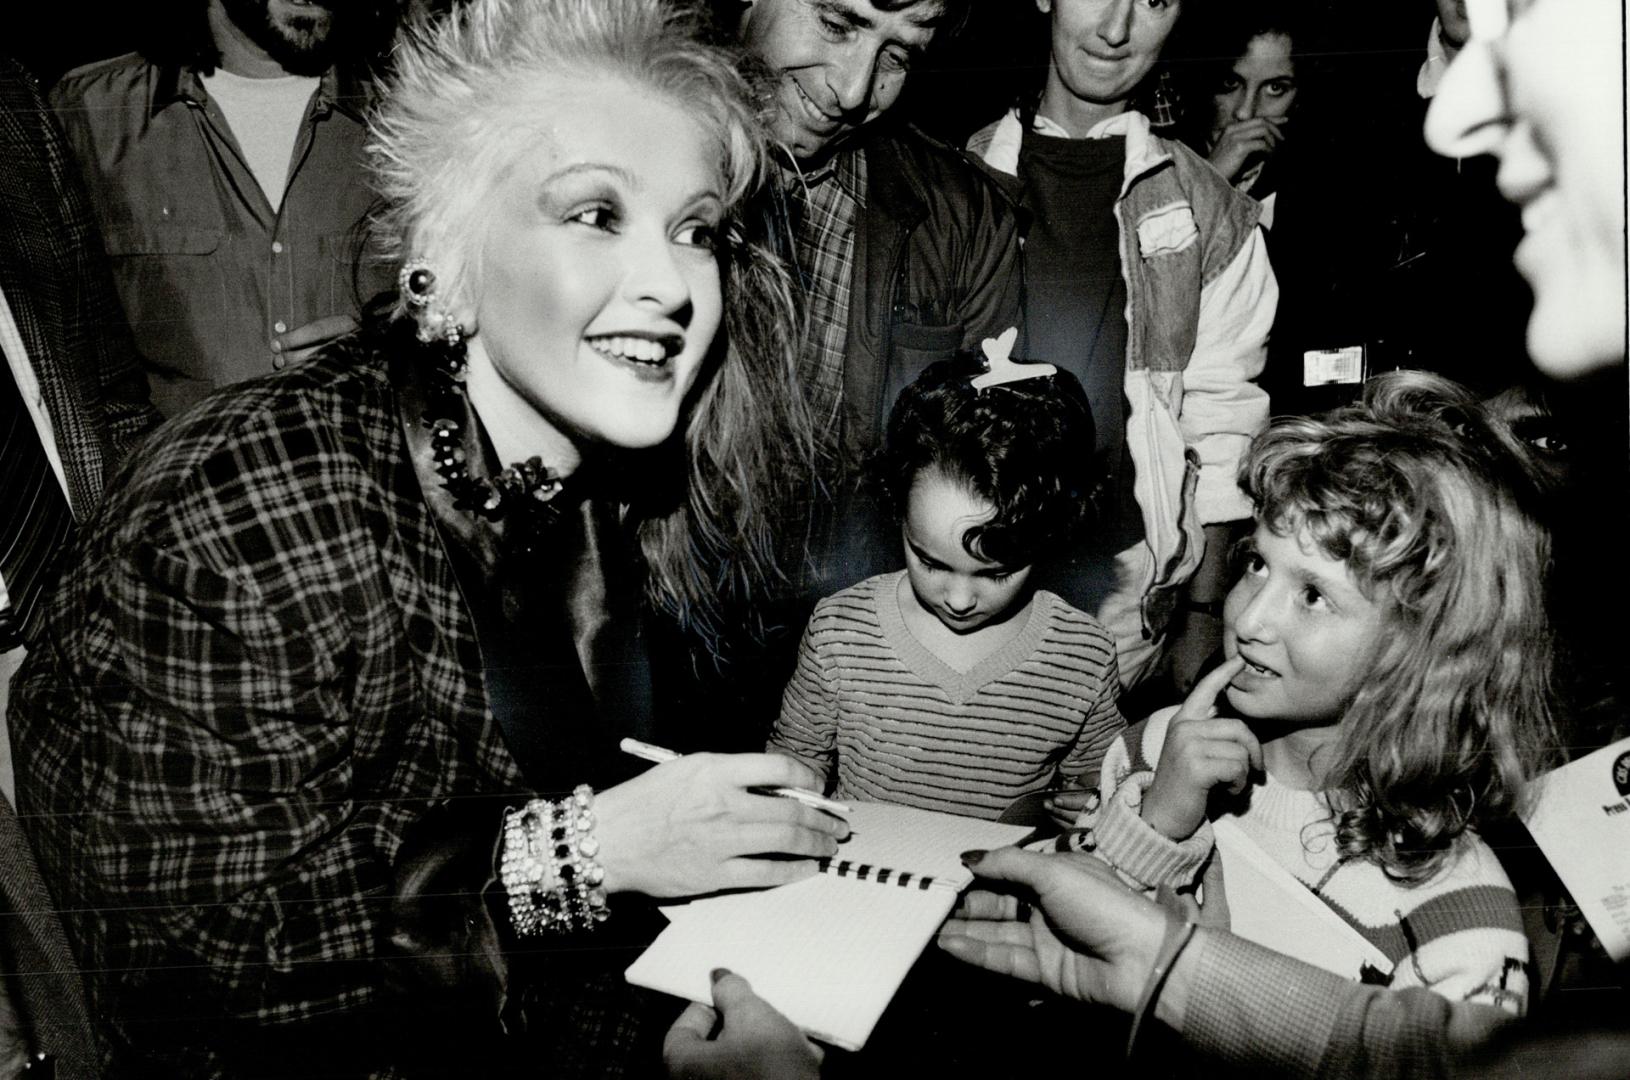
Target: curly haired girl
1385 689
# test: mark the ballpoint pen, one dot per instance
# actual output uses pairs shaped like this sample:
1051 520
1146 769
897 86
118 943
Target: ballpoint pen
659 755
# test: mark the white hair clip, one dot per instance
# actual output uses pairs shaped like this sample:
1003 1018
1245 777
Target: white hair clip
999 353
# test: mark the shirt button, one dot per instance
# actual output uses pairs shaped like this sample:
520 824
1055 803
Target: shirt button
279 326
278 360
277 247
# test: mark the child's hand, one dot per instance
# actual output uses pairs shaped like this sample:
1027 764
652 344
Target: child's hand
1066 806
1202 751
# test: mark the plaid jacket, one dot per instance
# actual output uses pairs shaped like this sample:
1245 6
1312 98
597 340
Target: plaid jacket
255 676
57 282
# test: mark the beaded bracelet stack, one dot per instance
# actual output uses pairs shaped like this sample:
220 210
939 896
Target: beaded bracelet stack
548 865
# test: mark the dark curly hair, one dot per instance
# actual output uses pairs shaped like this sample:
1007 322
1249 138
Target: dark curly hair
1024 447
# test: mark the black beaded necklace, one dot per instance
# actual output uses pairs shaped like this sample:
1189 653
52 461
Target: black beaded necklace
522 491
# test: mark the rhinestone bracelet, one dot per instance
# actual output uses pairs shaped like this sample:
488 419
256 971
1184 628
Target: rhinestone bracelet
549 868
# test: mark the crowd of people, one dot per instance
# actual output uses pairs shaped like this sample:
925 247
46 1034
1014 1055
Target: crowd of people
409 403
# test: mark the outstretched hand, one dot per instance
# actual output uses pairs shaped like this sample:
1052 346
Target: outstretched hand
741 1037
1202 752
1088 936
692 826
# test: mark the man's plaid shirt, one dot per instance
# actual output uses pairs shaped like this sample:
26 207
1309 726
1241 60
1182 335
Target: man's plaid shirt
826 206
256 673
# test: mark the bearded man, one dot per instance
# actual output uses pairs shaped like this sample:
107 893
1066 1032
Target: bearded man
225 168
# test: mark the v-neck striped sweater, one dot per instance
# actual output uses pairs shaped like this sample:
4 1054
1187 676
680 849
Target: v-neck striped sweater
886 720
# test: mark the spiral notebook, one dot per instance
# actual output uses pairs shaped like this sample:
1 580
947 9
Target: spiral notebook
831 950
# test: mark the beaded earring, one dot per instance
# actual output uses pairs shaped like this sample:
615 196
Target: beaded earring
417 285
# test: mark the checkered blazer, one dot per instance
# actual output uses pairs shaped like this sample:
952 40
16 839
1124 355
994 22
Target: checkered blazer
253 681
56 280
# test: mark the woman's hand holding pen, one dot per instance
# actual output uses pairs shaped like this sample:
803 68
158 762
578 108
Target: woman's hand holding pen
1202 752
692 826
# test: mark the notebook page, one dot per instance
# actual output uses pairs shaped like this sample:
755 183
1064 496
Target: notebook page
921 842
828 952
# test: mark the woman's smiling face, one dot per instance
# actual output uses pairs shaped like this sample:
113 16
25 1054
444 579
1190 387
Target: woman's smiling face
598 290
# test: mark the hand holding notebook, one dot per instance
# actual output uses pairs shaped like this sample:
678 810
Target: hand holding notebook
831 950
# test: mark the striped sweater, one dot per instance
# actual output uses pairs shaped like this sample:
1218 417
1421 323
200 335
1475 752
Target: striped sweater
886 720
1458 933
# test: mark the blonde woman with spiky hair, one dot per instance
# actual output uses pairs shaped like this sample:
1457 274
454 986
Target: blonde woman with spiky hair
412 573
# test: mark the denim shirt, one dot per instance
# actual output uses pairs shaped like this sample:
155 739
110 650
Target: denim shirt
208 271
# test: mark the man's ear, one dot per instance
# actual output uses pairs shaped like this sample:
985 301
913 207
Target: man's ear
1044 6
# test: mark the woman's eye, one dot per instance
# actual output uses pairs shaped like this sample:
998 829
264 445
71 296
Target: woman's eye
699 234
1228 85
1278 89
1312 597
595 217
1253 563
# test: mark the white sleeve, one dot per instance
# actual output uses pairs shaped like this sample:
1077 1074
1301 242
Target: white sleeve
1223 408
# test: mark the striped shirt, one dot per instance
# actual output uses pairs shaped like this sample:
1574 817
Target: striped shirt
886 720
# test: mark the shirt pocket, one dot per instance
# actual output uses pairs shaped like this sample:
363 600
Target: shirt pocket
354 273
915 347
171 283
1167 230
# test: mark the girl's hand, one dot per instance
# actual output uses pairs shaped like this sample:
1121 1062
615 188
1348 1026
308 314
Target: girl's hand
692 826
1066 807
1242 143
1202 752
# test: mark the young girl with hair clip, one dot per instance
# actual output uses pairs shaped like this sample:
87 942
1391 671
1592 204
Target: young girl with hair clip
1384 693
954 684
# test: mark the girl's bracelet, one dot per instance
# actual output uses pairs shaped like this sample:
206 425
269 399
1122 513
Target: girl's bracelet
1179 932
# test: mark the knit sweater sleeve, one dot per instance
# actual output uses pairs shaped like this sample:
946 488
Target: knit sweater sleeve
1142 855
808 725
1265 1013
1464 934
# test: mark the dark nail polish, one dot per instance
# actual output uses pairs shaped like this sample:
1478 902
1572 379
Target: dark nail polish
718 973
972 858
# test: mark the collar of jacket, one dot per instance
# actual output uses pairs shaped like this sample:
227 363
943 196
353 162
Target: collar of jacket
1145 151
342 90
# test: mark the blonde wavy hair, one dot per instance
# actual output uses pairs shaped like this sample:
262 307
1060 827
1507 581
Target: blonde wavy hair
451 119
1423 494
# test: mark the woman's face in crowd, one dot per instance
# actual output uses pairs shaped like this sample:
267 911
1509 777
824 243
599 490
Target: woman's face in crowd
599 289
1307 632
1262 83
1102 49
1547 99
